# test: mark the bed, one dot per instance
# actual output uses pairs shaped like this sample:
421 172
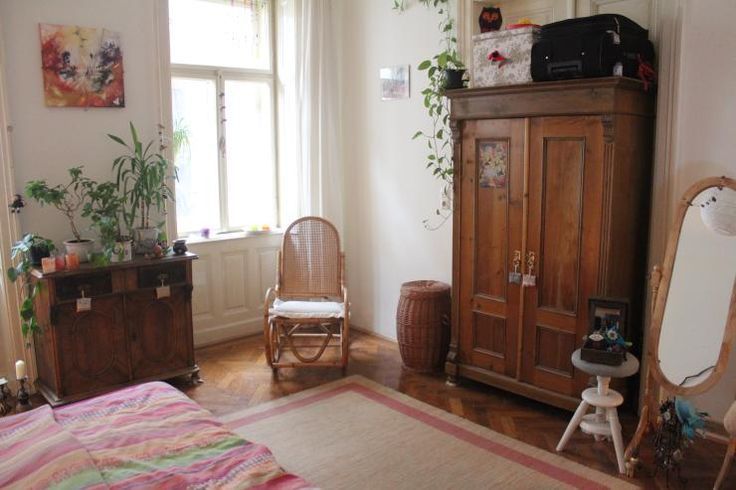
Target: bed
145 436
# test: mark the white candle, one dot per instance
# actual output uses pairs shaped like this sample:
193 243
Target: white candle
20 370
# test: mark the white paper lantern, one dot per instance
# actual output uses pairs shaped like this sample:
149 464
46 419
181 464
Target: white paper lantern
718 210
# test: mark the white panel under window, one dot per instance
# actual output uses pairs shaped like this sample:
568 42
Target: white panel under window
194 102
225 33
251 175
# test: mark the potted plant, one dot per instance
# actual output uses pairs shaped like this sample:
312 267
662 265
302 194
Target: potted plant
445 71
105 208
40 248
20 255
69 199
142 176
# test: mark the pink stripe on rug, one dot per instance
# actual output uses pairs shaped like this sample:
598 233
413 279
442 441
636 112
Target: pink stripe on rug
543 467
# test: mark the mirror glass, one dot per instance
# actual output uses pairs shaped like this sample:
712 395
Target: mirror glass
701 286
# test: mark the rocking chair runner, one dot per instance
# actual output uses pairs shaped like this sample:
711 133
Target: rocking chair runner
310 300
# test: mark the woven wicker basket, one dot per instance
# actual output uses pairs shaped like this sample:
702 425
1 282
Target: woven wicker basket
422 324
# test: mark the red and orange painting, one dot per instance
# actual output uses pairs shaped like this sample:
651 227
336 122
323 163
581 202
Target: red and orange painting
82 66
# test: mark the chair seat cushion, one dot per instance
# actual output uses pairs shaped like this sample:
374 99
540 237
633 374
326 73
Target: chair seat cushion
307 309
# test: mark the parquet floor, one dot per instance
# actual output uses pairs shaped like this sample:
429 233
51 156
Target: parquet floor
236 376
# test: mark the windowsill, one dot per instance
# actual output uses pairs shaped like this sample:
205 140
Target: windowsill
196 239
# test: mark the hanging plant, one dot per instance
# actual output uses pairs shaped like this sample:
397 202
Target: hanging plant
440 68
444 71
21 254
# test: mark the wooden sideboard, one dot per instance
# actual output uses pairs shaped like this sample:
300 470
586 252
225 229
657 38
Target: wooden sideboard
551 180
131 332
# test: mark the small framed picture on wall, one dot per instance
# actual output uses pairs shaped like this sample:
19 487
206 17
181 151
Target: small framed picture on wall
394 82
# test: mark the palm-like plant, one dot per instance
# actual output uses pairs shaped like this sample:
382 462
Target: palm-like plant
142 177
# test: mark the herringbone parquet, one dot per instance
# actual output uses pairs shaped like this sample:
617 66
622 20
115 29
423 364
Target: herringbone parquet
236 376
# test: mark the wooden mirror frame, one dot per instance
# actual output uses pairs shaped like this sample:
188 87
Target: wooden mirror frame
660 301
655 382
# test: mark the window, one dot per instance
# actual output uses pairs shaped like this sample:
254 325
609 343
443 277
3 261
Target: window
223 114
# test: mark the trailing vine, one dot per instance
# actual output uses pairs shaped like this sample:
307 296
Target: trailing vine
20 256
439 138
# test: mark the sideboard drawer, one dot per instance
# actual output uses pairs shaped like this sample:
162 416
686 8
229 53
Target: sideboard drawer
151 276
93 284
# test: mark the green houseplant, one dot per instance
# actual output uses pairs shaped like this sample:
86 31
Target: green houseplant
142 176
444 71
440 68
20 255
69 199
105 209
40 248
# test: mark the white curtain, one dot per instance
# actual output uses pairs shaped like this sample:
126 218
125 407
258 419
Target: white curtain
315 169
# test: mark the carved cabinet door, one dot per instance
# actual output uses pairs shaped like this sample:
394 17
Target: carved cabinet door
160 332
566 161
491 210
94 352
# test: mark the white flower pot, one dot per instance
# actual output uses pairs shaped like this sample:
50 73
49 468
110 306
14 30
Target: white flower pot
145 240
81 247
122 251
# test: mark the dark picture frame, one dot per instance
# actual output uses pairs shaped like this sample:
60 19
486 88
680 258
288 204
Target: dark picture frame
603 314
599 308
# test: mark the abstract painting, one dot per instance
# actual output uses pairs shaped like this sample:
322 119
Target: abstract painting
494 159
82 66
394 82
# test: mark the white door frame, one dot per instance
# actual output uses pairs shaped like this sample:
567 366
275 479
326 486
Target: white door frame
12 344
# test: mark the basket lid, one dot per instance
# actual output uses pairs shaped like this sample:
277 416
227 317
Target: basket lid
424 288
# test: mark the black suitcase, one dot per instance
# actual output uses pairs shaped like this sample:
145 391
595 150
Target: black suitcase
588 47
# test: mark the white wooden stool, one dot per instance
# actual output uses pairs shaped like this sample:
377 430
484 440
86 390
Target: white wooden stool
604 422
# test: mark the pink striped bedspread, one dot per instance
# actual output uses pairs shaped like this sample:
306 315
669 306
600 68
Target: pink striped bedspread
145 436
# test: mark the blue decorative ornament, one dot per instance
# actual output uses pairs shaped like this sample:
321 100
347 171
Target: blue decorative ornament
692 420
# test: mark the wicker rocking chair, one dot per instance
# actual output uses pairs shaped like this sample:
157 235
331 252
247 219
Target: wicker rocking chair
310 301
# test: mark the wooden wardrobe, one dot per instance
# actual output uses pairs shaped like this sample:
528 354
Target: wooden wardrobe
554 178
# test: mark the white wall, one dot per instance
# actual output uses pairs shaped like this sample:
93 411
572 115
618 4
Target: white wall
705 127
46 141
388 190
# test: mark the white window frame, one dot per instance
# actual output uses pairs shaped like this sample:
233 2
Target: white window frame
220 75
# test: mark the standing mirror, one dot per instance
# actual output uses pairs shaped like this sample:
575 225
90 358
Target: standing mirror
693 319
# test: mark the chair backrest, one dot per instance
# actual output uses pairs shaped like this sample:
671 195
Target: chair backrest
311 262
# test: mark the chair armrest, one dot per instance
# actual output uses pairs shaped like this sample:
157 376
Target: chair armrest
345 300
271 294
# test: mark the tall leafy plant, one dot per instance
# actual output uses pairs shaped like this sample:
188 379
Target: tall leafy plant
105 209
142 176
68 198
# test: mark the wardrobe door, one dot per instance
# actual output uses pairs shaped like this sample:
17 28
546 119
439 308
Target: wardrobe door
491 218
563 234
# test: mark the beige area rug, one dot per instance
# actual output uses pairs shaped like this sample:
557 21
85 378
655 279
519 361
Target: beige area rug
355 433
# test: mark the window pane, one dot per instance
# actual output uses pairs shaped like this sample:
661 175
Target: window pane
195 126
227 33
250 161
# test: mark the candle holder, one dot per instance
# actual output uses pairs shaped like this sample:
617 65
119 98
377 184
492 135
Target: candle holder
24 399
5 395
